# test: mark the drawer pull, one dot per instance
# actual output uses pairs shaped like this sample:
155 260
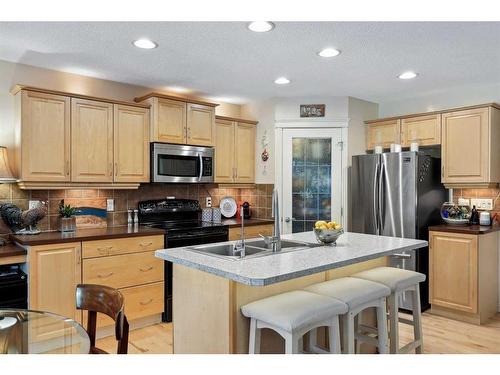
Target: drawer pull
147 302
145 243
146 269
105 276
104 250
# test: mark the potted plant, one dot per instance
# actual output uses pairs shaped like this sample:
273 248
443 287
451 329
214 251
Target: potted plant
67 221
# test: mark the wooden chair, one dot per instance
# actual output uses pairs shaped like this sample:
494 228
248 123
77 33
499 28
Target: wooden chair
105 300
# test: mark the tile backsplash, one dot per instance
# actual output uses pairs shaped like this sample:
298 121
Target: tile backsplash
259 198
493 193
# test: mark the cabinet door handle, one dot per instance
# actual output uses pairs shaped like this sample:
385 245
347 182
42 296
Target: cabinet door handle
110 169
146 303
66 167
116 169
442 171
78 256
105 276
104 250
145 243
146 269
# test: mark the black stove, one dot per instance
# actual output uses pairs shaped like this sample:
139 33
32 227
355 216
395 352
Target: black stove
181 220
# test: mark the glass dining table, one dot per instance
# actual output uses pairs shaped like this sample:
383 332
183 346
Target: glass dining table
37 332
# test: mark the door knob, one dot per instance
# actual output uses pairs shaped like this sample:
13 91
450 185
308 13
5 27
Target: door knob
287 220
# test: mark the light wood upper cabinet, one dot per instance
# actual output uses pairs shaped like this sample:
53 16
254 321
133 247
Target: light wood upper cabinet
245 152
54 272
453 271
169 121
383 133
131 144
470 152
234 151
224 151
426 130
43 137
91 141
200 125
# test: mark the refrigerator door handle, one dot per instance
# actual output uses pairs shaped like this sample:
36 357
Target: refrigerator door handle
380 197
375 197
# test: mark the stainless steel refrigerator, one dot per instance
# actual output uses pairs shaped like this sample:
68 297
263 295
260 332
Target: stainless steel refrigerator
398 194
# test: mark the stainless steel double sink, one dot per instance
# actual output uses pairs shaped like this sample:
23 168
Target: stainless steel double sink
253 248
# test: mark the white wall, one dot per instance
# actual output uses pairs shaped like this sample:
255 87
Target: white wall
441 99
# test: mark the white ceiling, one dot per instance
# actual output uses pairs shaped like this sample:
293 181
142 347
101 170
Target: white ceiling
224 60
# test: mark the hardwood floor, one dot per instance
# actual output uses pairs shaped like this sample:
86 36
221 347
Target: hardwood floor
441 335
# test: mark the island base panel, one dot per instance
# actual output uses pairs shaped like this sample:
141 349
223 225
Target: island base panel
207 317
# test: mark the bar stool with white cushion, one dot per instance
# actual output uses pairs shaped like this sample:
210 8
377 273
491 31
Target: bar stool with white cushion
399 281
358 295
292 314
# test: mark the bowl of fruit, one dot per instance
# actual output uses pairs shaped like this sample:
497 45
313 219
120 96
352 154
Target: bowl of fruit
327 232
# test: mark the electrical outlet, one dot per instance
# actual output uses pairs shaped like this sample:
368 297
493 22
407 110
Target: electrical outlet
463 201
110 204
482 204
33 204
208 201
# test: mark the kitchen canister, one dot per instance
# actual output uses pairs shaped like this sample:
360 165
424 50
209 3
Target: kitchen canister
216 215
206 214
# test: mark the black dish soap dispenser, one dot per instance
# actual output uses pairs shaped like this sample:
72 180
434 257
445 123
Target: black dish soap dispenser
474 216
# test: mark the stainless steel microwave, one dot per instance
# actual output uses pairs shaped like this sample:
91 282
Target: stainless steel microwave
181 163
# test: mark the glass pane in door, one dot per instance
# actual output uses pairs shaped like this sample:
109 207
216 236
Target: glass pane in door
311 182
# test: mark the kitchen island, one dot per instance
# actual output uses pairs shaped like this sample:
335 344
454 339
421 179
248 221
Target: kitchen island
208 291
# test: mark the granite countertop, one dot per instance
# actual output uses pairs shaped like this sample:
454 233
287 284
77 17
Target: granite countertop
10 250
85 235
233 223
351 248
465 229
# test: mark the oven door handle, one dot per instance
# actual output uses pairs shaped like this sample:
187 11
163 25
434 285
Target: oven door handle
201 167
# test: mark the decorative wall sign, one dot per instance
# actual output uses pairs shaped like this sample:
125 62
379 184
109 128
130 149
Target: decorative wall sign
312 110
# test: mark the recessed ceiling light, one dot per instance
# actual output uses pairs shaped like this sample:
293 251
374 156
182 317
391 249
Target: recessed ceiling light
282 81
407 75
329 52
260 26
145 44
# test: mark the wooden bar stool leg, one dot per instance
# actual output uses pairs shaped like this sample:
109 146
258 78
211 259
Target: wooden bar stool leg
357 343
417 320
394 323
382 326
254 341
334 336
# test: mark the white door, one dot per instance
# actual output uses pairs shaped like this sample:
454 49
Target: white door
312 178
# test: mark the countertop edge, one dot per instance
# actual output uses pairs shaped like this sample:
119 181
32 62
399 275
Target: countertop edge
284 277
11 249
33 241
465 229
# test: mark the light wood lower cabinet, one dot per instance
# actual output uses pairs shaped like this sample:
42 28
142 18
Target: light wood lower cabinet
251 231
54 272
123 271
126 263
91 141
463 275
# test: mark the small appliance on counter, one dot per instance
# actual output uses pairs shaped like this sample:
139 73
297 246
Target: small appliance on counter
247 211
181 220
485 218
